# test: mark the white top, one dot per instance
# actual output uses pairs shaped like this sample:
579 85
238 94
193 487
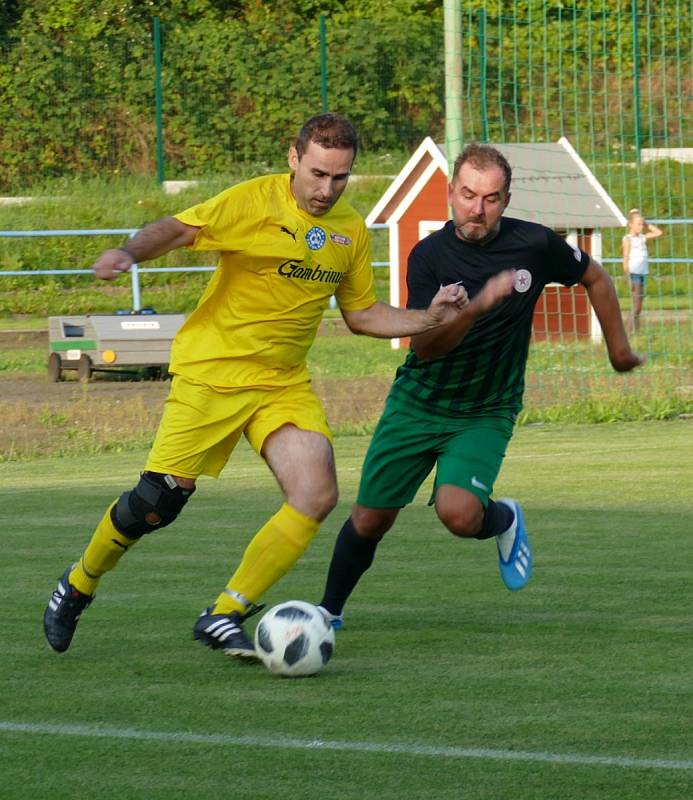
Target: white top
637 259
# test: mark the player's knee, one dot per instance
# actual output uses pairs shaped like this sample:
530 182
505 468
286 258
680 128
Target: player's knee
154 503
326 502
373 523
314 501
329 506
461 519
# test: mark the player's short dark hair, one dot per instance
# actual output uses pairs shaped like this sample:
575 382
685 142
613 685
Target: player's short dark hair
327 130
483 156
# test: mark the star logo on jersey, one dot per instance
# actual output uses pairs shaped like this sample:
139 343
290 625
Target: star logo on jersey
316 238
523 280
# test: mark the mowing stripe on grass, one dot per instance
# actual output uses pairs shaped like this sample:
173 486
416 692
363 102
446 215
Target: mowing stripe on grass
284 743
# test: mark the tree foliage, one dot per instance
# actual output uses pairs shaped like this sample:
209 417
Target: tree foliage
238 79
77 78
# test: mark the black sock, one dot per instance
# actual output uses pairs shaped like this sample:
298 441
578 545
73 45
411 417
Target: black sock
351 557
497 519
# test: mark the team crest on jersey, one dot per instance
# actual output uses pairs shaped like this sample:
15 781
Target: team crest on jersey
523 280
316 238
339 239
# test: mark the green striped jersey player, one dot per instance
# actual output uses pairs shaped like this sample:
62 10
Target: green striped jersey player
453 404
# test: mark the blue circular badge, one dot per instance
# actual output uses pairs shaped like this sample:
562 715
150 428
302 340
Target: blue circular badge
316 238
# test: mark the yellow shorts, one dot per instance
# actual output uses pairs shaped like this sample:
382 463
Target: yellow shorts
202 424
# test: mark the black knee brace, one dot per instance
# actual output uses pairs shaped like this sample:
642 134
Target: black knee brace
154 503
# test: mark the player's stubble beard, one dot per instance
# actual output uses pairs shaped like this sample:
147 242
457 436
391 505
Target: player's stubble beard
490 234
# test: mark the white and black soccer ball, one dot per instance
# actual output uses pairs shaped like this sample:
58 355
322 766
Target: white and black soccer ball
294 639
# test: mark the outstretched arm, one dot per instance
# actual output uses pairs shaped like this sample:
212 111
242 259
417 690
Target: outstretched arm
386 322
602 294
152 241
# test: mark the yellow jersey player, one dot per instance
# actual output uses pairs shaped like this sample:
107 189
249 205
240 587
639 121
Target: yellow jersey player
287 244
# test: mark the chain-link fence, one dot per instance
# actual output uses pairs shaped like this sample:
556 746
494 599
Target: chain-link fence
231 96
613 77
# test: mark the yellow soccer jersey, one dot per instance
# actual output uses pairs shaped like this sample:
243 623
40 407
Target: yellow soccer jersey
277 270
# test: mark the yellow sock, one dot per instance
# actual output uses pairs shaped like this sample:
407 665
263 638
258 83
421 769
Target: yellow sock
272 552
103 552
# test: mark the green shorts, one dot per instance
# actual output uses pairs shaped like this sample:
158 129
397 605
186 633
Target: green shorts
467 453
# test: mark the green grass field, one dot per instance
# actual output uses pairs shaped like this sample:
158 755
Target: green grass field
443 684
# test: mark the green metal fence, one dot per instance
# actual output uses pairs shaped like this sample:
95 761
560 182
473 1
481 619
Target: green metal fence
615 79
230 96
185 100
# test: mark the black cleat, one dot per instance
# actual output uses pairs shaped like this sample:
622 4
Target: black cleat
63 612
224 632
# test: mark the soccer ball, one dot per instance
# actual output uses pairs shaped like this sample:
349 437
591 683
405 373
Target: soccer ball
294 639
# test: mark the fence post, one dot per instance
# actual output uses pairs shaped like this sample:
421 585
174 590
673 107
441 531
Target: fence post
636 81
135 284
596 334
453 80
159 102
323 62
482 70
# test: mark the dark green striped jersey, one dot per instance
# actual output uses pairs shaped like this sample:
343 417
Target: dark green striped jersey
485 372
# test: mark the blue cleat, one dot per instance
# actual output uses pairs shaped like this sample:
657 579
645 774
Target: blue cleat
514 560
335 620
